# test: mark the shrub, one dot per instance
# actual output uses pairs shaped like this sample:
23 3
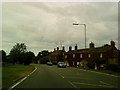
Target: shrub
113 67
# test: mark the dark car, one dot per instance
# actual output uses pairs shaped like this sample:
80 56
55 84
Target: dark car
49 63
61 64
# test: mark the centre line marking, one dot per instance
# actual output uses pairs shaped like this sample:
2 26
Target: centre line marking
104 83
61 76
73 85
57 73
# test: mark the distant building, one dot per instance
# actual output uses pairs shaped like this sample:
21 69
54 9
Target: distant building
56 55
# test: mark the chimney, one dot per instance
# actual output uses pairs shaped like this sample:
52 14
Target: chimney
112 43
76 47
70 48
54 49
63 48
57 48
91 45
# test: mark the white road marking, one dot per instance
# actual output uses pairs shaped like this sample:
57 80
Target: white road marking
61 76
33 71
99 72
23 79
73 85
57 73
91 84
104 83
17 83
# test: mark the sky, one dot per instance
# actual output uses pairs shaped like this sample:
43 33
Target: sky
46 25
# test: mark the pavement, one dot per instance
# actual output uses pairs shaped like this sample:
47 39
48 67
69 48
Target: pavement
45 76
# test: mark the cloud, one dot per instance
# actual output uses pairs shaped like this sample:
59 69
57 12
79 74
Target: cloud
40 25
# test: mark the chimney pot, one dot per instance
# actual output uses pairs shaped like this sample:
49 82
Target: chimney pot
57 48
70 48
91 45
54 49
76 47
112 43
63 48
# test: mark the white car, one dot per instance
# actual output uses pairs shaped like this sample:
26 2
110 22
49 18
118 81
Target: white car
49 63
61 64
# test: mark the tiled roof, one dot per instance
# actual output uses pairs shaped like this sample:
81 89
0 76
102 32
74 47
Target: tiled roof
57 52
89 50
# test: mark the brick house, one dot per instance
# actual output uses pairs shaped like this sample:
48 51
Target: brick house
107 53
56 55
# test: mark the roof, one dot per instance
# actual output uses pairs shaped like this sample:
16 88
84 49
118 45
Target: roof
105 48
57 52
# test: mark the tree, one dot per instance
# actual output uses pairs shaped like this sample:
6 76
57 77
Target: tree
3 56
44 53
119 57
17 51
42 56
28 58
39 56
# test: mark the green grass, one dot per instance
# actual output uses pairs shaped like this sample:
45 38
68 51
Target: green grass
13 73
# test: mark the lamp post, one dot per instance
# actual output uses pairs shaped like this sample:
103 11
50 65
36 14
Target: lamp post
84 29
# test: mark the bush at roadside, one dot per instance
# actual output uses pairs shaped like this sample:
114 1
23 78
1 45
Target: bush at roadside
113 67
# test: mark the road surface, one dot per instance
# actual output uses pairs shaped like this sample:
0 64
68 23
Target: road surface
53 77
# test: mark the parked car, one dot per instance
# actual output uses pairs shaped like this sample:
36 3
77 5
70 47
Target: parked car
49 63
61 64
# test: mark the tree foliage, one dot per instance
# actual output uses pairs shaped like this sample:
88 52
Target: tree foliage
18 48
114 68
28 58
17 52
42 56
3 56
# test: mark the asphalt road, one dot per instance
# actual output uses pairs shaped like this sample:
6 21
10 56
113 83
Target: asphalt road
54 77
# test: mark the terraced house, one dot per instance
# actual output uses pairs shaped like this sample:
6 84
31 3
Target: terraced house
56 55
99 56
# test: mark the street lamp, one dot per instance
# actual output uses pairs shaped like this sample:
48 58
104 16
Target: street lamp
84 29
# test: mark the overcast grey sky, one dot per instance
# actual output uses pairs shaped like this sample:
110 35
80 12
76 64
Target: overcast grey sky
40 25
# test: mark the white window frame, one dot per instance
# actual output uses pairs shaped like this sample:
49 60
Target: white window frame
89 55
73 63
101 55
81 55
73 55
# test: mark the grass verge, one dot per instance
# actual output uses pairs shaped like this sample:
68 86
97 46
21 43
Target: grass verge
11 74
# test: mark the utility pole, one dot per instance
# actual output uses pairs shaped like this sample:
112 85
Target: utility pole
84 30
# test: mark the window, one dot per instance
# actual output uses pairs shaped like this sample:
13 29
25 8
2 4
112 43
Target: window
73 55
73 63
81 55
101 55
89 55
